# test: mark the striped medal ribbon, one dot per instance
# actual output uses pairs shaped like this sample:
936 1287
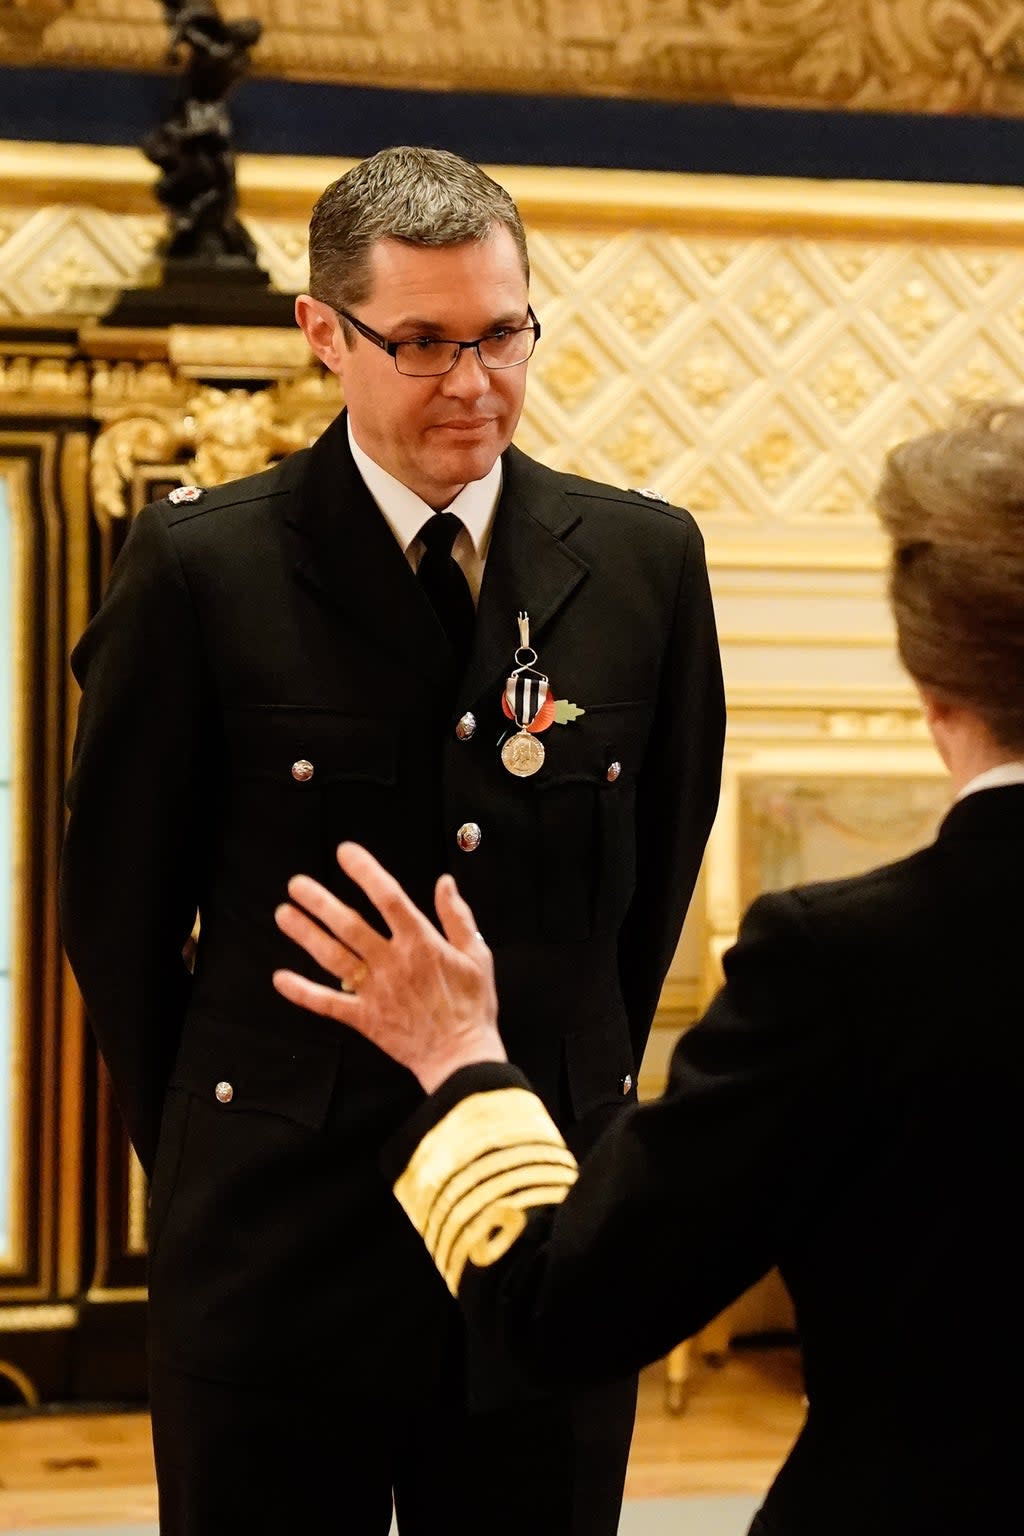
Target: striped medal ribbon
526 694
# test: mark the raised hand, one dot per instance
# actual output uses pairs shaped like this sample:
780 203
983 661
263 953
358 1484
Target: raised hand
427 1000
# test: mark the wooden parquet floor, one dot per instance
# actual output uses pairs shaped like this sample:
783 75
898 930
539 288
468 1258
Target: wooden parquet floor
738 1423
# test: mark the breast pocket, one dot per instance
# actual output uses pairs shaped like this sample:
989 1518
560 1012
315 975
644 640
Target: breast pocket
586 798
300 779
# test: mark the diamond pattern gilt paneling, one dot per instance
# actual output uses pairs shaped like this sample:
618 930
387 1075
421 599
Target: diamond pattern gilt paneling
759 380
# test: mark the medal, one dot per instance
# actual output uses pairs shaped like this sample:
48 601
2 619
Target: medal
522 754
527 701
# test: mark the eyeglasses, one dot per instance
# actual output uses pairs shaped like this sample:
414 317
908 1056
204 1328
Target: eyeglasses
427 356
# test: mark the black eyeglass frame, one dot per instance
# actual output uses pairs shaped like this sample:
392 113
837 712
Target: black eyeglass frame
391 347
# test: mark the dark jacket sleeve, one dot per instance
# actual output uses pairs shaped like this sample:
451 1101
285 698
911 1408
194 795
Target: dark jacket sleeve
685 1202
676 795
128 887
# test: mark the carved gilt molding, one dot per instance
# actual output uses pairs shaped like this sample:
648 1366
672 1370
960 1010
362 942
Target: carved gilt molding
161 426
867 55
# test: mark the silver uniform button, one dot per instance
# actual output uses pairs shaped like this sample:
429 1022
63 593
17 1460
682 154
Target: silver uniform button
466 728
224 1093
303 770
614 769
468 837
626 1084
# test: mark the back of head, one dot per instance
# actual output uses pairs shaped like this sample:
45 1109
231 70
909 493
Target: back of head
422 197
953 504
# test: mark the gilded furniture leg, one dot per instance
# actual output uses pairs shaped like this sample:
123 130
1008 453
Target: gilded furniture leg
678 1371
713 1341
711 1345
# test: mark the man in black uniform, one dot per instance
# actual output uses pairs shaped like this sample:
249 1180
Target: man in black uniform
413 635
848 1108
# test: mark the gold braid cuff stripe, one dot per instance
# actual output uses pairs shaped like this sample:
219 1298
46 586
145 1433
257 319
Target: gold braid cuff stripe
474 1175
459 1198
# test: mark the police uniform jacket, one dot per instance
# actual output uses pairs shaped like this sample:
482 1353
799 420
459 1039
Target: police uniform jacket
264 679
848 1109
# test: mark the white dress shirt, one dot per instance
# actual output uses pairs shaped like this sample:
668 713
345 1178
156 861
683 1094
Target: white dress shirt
405 514
994 778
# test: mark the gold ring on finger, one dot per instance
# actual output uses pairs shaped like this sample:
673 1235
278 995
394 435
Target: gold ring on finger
354 982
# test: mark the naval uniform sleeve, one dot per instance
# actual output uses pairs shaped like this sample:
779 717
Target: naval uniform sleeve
128 886
681 1205
676 793
481 1153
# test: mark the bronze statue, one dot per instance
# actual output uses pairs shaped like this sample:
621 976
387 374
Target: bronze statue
193 144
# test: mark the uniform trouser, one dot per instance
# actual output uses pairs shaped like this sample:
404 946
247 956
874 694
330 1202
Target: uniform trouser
269 1461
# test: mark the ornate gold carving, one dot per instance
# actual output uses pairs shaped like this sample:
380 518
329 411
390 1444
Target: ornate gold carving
120 448
775 456
981 377
781 308
982 266
155 419
641 446
850 262
707 496
876 725
66 276
577 251
46 377
914 312
708 378
570 375
847 383
840 502
646 302
236 350
117 384
236 433
917 55
715 259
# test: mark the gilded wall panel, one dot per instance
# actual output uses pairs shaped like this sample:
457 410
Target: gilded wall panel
911 55
747 360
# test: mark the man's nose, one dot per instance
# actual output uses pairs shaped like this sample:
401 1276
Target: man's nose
469 377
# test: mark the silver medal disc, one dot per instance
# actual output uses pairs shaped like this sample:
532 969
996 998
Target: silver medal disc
522 754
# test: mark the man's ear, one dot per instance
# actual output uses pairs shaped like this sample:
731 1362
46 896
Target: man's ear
319 324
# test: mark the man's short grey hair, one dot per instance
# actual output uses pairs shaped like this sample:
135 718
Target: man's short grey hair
424 197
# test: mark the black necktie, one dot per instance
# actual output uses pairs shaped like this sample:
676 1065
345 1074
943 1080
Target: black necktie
442 579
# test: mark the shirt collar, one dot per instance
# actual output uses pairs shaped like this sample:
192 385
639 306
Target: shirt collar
405 512
994 778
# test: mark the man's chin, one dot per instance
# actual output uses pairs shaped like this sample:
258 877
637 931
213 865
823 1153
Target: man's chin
463 462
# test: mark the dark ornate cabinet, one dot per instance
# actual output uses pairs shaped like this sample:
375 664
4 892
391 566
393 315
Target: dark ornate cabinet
93 423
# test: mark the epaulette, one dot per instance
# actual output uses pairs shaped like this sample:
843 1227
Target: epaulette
185 493
649 493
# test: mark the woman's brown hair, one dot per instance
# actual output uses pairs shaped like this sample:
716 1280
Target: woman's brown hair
952 503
